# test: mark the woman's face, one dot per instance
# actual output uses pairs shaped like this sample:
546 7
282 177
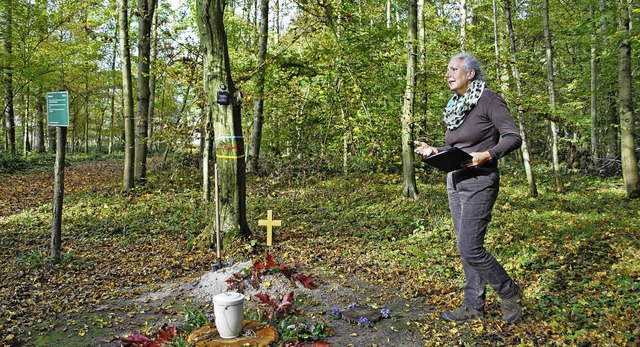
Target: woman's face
458 79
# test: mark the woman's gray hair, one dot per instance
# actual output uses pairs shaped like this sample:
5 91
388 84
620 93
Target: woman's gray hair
469 63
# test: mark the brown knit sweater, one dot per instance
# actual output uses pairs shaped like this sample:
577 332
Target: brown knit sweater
488 127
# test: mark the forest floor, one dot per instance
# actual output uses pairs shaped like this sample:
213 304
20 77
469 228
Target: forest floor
131 260
79 308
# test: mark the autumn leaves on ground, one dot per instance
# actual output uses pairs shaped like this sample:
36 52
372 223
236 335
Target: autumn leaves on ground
576 255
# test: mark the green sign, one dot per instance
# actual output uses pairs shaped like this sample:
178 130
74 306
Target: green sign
58 109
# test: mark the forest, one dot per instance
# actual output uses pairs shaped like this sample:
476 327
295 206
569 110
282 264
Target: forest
308 108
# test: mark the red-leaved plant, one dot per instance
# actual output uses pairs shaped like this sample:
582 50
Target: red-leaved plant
162 338
280 308
269 265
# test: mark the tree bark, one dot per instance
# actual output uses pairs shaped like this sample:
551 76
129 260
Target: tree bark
533 190
39 138
627 136
463 23
258 108
227 122
152 87
409 189
593 90
9 113
207 156
146 9
552 98
127 95
112 97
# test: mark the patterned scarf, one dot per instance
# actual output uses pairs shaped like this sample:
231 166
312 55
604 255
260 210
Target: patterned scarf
459 105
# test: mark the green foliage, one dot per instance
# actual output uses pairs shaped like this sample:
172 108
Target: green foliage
10 165
195 319
296 328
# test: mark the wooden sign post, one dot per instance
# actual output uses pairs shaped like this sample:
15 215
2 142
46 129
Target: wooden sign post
270 223
58 116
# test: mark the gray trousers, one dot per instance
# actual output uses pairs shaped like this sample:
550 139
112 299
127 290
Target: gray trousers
472 194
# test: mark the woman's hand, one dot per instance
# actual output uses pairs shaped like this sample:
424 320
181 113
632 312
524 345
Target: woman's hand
424 150
478 159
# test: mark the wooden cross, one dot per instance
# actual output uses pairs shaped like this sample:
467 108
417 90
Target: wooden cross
270 223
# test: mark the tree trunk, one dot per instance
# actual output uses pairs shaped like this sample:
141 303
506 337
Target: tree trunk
496 43
86 115
152 87
146 9
51 139
463 23
127 95
552 98
388 14
227 123
258 117
627 137
277 21
409 188
207 156
112 124
533 190
9 113
39 141
26 143
594 86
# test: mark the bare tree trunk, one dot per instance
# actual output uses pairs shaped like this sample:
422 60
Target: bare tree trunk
39 142
112 124
594 86
611 134
152 87
146 9
627 123
9 113
86 115
227 123
127 95
496 42
51 139
277 21
533 190
463 23
207 156
258 117
552 98
26 143
388 14
409 188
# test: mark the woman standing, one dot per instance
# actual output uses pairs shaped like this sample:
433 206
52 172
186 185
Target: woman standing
478 122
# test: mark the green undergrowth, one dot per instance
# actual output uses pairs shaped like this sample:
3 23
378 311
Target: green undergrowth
576 254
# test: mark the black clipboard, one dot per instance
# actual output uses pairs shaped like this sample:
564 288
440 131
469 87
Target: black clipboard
448 160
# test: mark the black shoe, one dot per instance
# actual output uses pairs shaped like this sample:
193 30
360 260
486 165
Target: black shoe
512 307
463 314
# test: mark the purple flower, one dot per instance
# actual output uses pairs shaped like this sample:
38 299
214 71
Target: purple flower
351 305
210 316
335 311
386 313
364 321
